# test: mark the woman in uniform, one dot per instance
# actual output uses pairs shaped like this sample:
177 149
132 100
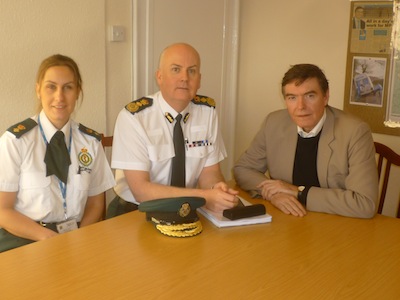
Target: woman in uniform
54 170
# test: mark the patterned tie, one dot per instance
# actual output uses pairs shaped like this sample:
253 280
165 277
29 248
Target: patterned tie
178 162
57 157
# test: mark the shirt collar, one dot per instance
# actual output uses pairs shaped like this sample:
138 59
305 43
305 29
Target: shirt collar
314 132
49 129
166 108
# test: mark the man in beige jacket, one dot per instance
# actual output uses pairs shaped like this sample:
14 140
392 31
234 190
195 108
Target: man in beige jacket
311 156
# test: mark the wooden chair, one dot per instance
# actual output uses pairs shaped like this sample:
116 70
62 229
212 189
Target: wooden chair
106 141
391 157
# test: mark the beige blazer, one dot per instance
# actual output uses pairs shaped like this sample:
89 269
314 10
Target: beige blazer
346 163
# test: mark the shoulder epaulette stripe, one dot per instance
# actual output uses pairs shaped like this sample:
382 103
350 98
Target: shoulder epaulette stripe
204 100
139 104
90 132
23 127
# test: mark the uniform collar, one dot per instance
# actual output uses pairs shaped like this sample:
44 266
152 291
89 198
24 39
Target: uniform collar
49 129
167 109
314 132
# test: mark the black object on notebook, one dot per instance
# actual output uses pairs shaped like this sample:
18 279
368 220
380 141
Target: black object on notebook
241 212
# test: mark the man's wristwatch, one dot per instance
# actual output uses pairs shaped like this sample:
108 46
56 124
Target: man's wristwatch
300 190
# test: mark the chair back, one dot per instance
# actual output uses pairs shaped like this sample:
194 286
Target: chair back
106 141
386 157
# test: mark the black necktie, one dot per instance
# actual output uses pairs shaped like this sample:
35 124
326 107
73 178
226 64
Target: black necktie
57 157
178 162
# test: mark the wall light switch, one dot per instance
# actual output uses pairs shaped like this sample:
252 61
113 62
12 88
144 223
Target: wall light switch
117 33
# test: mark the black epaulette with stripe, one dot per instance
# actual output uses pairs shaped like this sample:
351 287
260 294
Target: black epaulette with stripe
90 132
139 104
23 127
204 100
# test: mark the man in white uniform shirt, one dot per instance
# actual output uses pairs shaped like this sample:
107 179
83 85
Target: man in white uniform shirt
143 146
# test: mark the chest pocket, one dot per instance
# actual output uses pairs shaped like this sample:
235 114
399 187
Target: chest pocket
161 152
159 147
82 181
34 181
200 151
34 192
198 145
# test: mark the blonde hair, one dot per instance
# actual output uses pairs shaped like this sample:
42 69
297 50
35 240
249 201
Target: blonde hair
59 60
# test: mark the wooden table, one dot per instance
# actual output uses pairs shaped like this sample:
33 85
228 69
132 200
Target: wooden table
318 256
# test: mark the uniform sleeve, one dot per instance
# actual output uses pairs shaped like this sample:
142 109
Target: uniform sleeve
129 144
219 152
103 178
11 160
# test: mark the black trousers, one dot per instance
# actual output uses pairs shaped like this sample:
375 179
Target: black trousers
119 206
9 241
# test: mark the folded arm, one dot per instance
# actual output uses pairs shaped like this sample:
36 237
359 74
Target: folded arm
19 224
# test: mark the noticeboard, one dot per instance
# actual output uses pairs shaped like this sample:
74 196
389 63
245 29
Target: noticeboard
372 87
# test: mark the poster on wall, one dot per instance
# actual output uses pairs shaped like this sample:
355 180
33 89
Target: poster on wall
372 72
371 27
368 75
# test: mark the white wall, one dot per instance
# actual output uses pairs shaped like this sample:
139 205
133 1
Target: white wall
119 60
33 30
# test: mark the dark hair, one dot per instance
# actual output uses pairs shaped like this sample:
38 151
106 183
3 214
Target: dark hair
301 72
358 8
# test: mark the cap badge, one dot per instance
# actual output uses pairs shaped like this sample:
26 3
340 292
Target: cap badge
185 209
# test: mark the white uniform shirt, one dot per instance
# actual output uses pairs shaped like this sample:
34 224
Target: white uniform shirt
143 141
24 171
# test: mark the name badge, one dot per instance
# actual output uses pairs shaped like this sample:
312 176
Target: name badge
67 226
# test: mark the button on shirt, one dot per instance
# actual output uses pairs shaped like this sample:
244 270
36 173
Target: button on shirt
39 197
143 141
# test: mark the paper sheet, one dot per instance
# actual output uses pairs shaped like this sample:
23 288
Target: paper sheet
220 221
